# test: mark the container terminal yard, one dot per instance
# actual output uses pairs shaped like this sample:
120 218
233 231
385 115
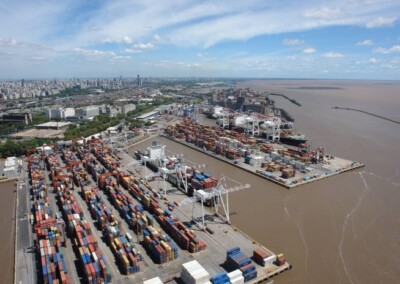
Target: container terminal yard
98 216
285 165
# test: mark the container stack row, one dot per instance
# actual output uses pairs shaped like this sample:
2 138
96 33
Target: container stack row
220 278
263 258
42 212
186 239
194 273
61 179
37 175
134 214
121 245
128 257
54 268
48 233
161 247
91 259
100 213
81 178
237 260
236 277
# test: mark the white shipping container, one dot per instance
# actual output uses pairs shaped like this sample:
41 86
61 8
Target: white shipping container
269 260
155 280
237 280
95 256
235 273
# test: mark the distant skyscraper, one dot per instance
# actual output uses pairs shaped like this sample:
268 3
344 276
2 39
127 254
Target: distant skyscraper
23 83
138 80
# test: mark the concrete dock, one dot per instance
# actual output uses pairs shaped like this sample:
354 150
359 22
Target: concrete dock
224 237
332 167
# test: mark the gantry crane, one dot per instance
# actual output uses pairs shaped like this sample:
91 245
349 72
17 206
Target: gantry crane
216 195
180 170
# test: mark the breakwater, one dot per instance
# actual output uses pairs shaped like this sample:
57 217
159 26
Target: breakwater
369 113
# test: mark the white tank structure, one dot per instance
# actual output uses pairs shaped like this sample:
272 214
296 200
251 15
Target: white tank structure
218 112
240 121
271 129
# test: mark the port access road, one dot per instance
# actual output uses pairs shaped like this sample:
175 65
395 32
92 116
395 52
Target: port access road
24 249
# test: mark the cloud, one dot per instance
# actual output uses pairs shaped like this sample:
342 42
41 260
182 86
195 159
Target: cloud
309 50
8 42
148 45
381 22
292 41
122 58
131 50
323 13
373 60
332 55
366 42
126 40
93 53
393 49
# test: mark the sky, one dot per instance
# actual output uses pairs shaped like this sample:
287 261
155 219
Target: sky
341 39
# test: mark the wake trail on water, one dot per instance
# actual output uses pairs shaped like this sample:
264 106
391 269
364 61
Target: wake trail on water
396 184
346 221
300 232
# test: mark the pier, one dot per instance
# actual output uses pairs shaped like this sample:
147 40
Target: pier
336 166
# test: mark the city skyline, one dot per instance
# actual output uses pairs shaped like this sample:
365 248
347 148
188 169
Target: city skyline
348 39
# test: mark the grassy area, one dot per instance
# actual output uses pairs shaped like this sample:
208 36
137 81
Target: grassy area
85 129
17 148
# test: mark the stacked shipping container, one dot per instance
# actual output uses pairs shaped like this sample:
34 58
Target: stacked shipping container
48 236
237 260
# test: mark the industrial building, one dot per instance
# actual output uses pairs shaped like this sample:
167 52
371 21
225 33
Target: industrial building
148 115
60 113
87 112
17 117
53 125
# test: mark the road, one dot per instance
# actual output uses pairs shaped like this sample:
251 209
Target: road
25 252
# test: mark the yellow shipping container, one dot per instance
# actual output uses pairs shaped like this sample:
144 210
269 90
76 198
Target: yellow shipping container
125 260
116 242
113 247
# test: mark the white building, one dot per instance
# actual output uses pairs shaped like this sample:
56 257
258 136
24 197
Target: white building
60 113
88 111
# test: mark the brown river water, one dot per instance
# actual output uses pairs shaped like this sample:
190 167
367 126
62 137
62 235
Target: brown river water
7 232
346 228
